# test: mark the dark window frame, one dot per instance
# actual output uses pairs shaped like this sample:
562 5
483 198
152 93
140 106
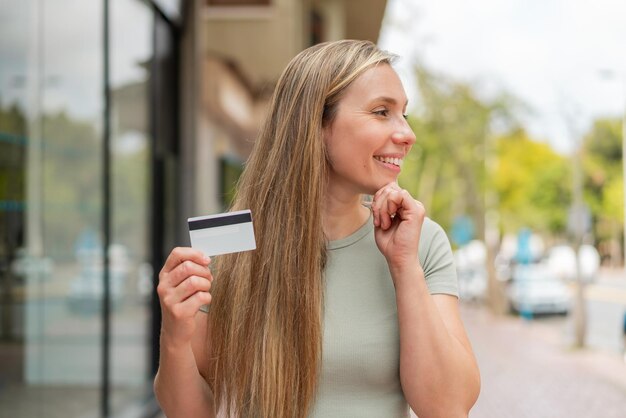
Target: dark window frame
238 3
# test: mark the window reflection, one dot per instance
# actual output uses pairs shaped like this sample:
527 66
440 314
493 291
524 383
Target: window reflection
51 107
131 274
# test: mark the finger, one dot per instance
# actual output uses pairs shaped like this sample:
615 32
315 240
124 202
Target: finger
398 202
187 269
381 197
403 198
190 286
388 214
379 193
391 185
408 207
379 205
420 208
392 206
395 186
392 202
190 306
374 209
180 254
407 203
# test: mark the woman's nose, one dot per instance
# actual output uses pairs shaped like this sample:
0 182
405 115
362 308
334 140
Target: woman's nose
404 135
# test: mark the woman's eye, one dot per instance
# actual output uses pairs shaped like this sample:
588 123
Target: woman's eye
382 112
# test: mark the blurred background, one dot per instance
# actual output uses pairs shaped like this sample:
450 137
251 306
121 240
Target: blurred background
119 119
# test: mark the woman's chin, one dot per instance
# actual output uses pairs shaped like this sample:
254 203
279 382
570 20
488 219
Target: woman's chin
381 183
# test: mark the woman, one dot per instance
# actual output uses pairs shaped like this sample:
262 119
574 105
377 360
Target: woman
334 314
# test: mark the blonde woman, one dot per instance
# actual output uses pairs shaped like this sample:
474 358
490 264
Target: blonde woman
342 310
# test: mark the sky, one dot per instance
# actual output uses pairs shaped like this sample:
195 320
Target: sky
565 59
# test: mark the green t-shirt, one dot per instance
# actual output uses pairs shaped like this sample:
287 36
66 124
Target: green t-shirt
361 347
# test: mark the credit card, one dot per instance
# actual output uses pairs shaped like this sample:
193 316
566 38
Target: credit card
222 233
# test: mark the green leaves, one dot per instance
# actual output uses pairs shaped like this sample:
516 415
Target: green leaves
533 184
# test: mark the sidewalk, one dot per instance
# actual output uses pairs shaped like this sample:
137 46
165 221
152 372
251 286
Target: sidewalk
527 371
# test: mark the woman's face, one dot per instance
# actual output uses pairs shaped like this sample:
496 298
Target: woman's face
369 137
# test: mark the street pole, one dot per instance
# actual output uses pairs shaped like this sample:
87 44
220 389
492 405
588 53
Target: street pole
622 78
495 288
624 168
578 225
578 218
611 74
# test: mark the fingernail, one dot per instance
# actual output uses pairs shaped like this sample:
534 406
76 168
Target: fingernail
207 260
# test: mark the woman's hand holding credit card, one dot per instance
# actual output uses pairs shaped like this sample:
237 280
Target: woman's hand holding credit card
184 285
185 279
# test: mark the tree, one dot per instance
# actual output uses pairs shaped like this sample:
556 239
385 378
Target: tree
533 185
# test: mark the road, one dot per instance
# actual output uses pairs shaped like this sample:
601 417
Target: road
528 370
605 303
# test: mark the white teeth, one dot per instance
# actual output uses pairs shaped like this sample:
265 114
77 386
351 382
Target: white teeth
390 160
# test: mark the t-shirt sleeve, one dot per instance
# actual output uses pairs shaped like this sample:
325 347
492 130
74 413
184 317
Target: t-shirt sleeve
437 260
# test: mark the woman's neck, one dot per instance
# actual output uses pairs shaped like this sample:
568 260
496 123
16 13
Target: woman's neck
343 216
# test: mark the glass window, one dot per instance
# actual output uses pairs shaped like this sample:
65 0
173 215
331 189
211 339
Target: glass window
50 216
51 206
131 273
13 154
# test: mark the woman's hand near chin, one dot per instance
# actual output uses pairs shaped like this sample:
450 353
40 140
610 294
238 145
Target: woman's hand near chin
398 220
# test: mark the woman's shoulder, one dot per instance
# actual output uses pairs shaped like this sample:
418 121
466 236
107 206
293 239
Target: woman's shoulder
431 230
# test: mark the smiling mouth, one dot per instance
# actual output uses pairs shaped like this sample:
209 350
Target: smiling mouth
389 160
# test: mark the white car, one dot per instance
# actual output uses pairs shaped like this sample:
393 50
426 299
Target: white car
534 289
562 261
470 264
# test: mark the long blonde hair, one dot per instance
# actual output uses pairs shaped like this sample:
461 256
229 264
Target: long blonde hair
265 319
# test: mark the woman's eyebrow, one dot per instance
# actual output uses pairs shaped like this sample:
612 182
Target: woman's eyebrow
388 99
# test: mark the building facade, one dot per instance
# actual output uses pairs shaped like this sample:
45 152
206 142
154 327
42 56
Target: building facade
118 120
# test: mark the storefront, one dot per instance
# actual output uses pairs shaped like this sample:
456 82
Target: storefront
89 159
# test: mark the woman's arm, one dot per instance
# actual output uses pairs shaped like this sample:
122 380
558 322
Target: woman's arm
184 284
438 371
179 386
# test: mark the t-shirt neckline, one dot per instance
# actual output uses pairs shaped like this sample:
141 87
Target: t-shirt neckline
357 235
